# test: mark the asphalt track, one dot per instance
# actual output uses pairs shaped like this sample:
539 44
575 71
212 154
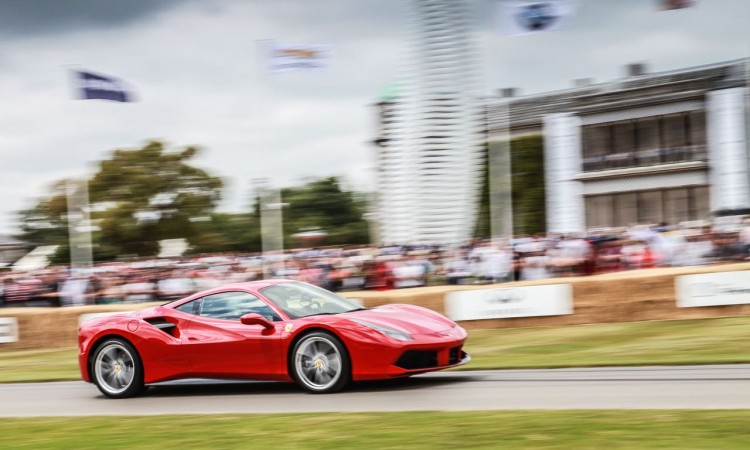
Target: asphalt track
662 387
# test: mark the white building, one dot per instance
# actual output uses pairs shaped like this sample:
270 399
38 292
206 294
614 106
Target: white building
647 148
428 160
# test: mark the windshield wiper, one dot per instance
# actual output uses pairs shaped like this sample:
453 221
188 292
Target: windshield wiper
358 309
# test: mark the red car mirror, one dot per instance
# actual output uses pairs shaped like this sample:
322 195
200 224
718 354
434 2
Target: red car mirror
256 319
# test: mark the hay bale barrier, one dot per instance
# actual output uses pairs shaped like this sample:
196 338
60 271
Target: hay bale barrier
632 296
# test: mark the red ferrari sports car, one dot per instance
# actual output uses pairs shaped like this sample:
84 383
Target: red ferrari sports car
266 330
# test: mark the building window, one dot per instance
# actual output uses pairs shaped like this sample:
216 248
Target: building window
596 144
647 141
671 206
624 142
650 207
597 140
698 130
699 207
626 209
674 134
599 211
676 205
647 134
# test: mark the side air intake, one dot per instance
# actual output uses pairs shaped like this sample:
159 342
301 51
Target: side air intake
164 325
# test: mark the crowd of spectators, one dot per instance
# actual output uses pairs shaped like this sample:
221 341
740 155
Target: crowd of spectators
394 267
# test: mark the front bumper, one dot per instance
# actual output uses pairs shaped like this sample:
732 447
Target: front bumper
416 360
376 361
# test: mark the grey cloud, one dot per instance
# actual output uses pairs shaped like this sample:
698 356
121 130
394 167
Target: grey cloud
23 18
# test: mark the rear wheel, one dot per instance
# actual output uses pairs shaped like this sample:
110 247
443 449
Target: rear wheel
117 369
320 363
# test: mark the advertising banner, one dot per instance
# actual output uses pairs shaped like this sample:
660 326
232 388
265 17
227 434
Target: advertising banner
8 330
511 302
713 289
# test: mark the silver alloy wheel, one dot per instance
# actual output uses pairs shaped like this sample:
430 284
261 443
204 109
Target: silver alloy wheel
318 363
114 368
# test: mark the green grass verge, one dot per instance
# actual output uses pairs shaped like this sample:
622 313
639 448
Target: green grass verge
54 364
701 341
674 429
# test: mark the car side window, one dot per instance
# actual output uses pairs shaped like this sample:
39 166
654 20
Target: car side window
233 305
191 307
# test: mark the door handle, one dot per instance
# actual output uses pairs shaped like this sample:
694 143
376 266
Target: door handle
192 338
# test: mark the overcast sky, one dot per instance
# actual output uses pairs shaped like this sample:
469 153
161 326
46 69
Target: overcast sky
199 81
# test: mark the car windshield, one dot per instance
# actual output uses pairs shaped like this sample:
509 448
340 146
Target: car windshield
302 300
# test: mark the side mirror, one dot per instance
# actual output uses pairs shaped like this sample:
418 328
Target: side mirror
256 319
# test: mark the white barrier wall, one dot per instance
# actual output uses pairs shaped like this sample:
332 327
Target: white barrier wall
506 303
639 295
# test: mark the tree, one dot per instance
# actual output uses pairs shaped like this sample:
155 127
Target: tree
322 205
47 222
527 171
318 204
227 232
138 197
141 196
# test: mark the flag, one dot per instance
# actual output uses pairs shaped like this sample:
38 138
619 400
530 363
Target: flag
666 5
91 86
519 18
290 58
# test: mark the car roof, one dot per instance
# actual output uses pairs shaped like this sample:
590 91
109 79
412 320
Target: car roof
255 285
251 286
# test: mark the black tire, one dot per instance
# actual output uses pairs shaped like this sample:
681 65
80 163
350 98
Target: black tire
117 369
319 363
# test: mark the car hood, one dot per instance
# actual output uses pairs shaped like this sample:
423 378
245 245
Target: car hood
409 319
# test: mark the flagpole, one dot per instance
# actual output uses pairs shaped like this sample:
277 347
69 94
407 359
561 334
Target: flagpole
271 224
269 197
498 159
79 226
747 92
747 98
500 174
87 86
80 246
289 59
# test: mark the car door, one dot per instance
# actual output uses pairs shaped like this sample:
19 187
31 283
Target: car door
217 344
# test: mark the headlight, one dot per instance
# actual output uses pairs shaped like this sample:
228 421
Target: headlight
395 334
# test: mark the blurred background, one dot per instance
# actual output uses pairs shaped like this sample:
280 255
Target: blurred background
154 149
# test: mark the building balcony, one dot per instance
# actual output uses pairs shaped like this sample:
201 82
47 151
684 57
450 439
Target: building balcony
644 158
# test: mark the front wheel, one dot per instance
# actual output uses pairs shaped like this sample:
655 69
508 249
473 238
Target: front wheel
117 369
320 363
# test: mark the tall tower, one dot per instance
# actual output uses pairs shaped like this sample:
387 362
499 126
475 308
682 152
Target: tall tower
431 133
